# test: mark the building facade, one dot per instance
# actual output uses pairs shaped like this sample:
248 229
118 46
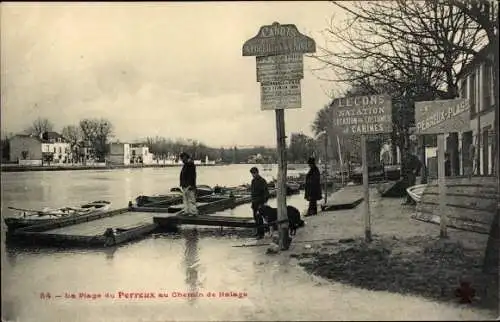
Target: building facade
119 154
25 149
49 148
141 155
476 84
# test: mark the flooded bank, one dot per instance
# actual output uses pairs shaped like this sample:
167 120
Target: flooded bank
235 283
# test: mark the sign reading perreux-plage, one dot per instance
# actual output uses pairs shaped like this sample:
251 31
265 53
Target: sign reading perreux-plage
445 116
363 114
280 95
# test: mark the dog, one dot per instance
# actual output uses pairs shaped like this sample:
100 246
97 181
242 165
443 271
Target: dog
270 215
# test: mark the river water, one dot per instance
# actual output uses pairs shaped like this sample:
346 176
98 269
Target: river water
264 287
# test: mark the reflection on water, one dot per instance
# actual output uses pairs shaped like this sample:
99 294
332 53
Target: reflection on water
191 262
110 252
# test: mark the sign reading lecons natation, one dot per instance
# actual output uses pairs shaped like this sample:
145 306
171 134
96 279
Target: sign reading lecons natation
363 114
445 116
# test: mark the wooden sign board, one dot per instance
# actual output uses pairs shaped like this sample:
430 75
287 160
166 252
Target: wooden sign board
279 70
361 115
279 53
280 67
280 95
444 116
278 39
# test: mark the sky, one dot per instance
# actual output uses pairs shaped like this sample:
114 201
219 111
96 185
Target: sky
152 69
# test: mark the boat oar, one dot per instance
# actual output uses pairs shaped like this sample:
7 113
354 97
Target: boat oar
39 212
27 210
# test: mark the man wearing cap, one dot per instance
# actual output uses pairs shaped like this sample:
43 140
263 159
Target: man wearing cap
260 195
188 184
313 187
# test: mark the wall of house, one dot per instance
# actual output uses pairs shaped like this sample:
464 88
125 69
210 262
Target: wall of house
61 151
477 86
31 146
119 153
30 162
143 152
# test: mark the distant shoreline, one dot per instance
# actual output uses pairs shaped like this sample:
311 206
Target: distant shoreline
24 168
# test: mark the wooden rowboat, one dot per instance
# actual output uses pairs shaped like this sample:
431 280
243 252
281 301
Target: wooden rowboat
167 199
415 192
29 217
201 190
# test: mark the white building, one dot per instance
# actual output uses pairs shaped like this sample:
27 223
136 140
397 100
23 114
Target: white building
476 84
119 154
49 148
141 155
207 161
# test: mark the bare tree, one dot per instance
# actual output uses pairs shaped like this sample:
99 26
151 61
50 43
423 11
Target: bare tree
407 43
97 132
39 126
73 135
412 50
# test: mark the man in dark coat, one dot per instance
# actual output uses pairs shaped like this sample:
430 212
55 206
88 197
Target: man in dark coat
188 184
411 171
260 195
313 187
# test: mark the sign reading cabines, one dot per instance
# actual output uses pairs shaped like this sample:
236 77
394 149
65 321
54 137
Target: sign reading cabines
444 116
363 114
279 53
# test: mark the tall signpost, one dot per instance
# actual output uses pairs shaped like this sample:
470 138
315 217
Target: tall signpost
440 117
363 116
279 51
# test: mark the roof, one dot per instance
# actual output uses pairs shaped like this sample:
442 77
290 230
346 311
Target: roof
27 136
480 58
45 137
51 135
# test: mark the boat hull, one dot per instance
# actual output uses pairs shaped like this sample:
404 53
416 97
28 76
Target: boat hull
14 223
415 192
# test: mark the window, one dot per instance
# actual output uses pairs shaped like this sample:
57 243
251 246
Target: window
472 93
486 99
55 150
60 150
492 86
463 88
24 154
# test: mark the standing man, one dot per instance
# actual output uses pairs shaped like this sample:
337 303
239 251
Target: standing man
313 188
188 184
260 195
411 171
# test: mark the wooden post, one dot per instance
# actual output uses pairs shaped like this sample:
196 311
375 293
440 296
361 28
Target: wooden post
326 167
341 161
281 184
368 231
441 184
